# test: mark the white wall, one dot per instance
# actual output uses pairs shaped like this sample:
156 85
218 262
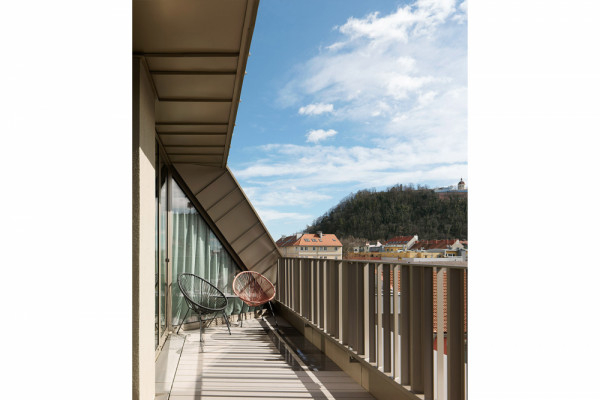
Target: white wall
143 234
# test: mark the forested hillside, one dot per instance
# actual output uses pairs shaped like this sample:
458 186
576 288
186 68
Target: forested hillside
397 211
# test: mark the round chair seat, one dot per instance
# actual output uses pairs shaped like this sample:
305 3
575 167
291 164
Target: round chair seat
253 288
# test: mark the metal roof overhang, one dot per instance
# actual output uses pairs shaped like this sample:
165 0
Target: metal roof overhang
195 52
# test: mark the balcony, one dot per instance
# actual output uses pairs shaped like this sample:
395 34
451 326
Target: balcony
348 329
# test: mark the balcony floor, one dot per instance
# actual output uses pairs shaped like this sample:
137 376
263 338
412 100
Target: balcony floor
253 363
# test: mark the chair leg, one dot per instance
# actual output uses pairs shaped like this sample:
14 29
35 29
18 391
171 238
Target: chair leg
183 320
227 322
200 318
272 312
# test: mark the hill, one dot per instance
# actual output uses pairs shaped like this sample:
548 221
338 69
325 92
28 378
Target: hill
399 210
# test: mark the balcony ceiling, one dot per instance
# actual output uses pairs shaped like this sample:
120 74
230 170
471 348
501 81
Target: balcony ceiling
196 53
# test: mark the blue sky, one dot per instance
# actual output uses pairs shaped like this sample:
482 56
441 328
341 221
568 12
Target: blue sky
348 95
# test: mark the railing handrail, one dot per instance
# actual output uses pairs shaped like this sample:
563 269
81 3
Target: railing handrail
449 264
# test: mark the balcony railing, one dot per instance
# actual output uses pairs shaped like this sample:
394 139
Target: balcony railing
388 315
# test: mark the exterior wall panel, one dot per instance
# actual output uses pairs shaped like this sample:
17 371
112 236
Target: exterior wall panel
143 233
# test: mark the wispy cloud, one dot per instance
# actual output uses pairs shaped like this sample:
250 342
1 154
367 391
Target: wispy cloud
315 109
316 135
272 215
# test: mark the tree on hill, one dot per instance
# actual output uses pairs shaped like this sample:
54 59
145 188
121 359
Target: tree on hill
398 211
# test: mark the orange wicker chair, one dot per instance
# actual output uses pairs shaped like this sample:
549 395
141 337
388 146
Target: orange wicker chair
254 290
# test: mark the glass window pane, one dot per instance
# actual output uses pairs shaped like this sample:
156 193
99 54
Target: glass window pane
197 250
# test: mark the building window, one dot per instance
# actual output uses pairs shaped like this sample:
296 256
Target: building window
314 248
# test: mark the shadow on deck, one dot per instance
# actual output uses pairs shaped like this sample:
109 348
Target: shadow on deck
253 363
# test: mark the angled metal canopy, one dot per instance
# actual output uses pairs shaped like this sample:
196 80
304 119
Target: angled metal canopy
196 53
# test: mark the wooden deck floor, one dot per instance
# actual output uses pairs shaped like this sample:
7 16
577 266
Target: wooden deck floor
246 365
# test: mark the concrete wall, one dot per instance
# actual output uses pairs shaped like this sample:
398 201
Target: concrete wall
143 218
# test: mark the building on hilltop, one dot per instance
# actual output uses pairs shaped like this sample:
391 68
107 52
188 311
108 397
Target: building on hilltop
311 245
400 243
458 190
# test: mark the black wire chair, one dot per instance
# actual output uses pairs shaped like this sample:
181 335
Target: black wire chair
203 298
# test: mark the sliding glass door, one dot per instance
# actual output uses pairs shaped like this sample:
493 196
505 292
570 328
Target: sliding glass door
184 243
162 252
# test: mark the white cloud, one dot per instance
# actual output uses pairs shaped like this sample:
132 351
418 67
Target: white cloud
272 215
315 109
391 59
285 194
316 135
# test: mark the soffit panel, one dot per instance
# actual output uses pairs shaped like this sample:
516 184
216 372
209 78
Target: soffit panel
258 251
197 159
268 267
219 191
181 111
194 86
191 150
193 64
187 25
251 234
223 208
199 178
191 129
200 140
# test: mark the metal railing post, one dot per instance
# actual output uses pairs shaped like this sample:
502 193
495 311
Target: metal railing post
379 280
441 387
456 341
427 331
405 325
387 337
396 321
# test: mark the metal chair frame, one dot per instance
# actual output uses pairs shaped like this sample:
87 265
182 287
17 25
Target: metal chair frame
255 290
207 291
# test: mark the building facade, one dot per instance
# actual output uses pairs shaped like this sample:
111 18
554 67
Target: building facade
400 243
311 245
189 212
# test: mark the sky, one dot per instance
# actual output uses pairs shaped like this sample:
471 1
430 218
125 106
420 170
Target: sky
342 96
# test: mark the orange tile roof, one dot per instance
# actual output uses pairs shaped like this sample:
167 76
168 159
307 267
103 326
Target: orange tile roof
309 239
399 240
433 244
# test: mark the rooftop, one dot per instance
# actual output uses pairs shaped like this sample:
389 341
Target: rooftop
309 239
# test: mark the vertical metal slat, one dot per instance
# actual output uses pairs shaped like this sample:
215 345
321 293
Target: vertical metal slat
396 321
456 343
427 331
405 325
387 342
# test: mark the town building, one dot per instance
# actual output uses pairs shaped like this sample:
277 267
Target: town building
368 247
400 243
311 245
